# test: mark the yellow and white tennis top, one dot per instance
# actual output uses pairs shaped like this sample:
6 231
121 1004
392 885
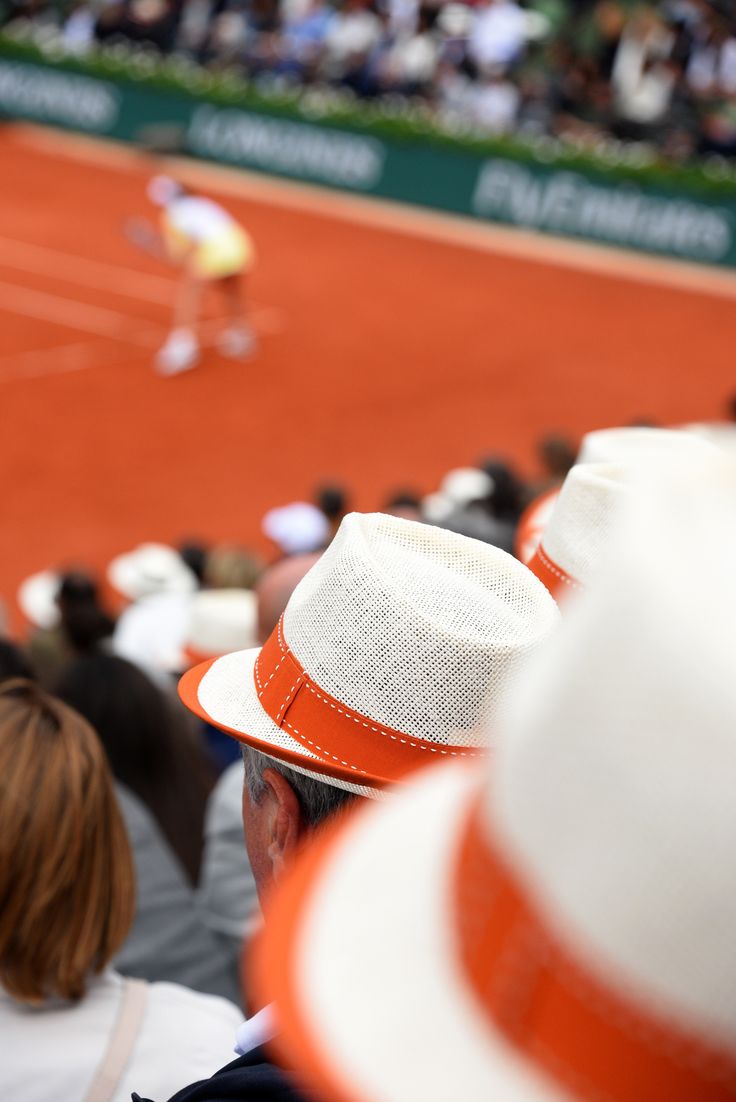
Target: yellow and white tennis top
220 247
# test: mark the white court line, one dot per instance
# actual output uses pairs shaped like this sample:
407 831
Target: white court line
57 360
83 355
464 232
71 314
41 260
101 275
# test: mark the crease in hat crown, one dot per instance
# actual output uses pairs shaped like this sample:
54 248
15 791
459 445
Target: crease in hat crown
413 628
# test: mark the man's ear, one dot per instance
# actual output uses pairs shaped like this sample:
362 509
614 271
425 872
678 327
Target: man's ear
286 825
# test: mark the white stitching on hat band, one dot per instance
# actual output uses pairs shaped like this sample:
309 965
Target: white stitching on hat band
277 698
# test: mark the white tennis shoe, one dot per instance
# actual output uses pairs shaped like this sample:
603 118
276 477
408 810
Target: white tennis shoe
179 353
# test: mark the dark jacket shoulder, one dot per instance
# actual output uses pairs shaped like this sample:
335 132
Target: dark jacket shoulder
250 1078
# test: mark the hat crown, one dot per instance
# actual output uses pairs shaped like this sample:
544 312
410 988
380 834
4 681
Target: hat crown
612 791
417 628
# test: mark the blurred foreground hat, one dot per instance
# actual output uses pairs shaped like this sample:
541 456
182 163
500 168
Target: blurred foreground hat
221 620
297 528
560 926
634 444
150 568
458 489
637 447
581 526
395 649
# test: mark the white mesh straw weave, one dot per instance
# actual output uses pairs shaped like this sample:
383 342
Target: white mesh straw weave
417 628
585 516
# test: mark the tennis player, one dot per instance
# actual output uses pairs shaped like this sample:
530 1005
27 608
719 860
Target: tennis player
209 247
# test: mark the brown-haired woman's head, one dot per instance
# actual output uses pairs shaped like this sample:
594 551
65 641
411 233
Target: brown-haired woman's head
66 872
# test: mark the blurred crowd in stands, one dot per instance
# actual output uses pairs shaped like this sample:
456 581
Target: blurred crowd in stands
594 73
93 681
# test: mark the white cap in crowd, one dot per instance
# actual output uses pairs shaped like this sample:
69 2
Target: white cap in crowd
298 528
396 649
37 599
220 621
150 568
558 926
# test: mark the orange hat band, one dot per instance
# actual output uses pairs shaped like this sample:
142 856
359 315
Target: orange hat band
561 1016
328 728
550 574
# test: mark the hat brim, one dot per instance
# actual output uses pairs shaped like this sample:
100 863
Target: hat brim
222 692
358 955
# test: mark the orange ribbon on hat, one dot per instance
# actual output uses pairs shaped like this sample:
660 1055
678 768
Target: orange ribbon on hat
550 573
558 1014
328 728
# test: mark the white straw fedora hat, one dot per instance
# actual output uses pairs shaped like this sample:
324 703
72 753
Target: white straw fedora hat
150 568
396 648
581 525
561 925
220 621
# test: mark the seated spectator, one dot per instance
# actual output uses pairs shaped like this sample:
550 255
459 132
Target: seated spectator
276 586
333 501
387 611
149 746
556 927
162 780
230 567
13 662
68 617
71 1027
226 895
159 585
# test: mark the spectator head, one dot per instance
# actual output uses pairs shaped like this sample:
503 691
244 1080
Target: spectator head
83 621
69 601
148 748
13 662
333 501
194 553
404 503
66 873
276 586
395 648
557 454
230 567
506 499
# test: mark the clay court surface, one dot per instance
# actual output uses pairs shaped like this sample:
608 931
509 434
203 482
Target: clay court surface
388 354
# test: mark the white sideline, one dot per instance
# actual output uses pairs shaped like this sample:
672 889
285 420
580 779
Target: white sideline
606 261
71 314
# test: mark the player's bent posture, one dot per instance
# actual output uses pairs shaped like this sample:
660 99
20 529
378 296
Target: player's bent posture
208 245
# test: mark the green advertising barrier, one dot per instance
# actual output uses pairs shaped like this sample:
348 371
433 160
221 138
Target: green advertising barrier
693 223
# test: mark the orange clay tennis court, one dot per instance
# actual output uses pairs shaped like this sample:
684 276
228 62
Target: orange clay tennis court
392 347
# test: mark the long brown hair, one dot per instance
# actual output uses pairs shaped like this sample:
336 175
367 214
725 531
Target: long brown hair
67 887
